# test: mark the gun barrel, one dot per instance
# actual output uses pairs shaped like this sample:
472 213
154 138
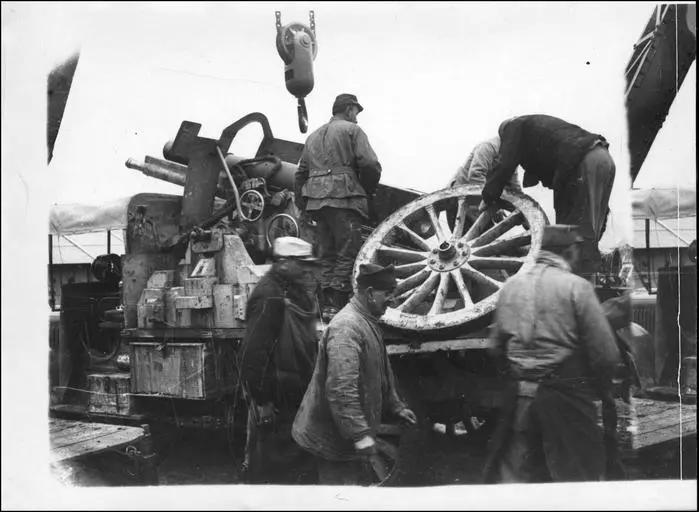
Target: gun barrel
166 171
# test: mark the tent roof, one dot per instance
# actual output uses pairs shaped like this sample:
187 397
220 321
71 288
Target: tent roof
664 203
72 219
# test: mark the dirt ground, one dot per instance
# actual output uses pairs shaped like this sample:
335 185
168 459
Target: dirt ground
188 457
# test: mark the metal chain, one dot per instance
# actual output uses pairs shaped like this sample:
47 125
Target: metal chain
312 20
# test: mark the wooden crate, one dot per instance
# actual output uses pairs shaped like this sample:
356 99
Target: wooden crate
191 370
110 393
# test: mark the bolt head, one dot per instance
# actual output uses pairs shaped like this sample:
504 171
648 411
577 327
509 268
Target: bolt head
432 262
441 267
460 245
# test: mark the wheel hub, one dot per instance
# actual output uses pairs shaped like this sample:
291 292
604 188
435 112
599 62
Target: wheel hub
449 256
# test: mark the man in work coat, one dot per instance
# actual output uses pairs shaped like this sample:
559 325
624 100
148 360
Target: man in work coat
277 358
352 386
480 162
560 352
337 175
562 156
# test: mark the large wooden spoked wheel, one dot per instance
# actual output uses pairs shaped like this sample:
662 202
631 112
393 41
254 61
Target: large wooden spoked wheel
451 260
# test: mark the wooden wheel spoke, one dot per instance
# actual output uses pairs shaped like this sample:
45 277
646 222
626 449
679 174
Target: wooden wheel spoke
481 278
461 285
441 294
460 218
411 282
510 263
402 254
414 237
501 246
409 269
439 231
498 229
420 293
477 226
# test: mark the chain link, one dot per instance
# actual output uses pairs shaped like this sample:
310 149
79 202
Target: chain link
312 20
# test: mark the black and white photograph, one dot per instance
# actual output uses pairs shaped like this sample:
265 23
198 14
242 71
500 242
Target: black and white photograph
349 255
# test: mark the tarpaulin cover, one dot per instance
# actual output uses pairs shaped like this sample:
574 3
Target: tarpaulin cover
73 219
664 203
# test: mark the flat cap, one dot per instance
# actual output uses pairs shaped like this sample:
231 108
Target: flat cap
376 276
292 247
343 100
560 235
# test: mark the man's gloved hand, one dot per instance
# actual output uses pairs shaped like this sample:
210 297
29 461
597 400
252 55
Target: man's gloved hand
265 413
491 209
408 416
366 446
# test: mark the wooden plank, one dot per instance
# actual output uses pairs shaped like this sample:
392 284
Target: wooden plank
90 438
56 427
434 346
664 434
83 432
646 422
79 411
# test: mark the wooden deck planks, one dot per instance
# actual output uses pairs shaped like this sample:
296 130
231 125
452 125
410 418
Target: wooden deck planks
70 439
646 422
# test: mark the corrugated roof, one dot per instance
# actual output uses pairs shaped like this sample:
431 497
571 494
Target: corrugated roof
661 237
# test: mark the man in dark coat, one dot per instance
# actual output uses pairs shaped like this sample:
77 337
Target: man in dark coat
337 175
277 358
562 156
560 353
353 386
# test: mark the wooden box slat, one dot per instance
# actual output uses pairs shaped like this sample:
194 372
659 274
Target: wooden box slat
196 371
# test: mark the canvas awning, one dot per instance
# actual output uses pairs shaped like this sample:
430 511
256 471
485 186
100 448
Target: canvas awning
73 219
664 203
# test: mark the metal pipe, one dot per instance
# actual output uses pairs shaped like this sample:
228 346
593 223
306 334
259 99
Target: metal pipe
230 178
52 290
671 231
650 277
78 247
169 174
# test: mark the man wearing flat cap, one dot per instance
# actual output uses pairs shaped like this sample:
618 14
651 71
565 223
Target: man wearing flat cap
277 359
352 387
337 175
559 351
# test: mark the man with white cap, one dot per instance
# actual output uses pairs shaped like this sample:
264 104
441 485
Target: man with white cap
277 359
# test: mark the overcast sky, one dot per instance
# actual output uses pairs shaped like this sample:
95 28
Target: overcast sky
434 78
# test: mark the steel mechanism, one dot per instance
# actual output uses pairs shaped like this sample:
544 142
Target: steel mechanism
296 44
452 261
